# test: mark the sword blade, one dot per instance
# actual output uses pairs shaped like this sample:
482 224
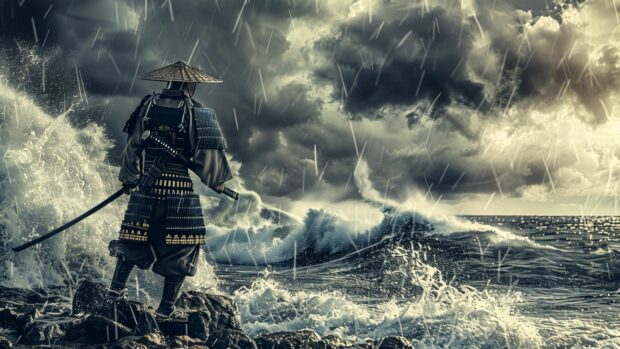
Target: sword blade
75 220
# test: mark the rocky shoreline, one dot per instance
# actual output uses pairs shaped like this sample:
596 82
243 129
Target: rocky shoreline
96 322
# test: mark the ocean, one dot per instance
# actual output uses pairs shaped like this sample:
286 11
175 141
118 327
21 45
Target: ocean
557 288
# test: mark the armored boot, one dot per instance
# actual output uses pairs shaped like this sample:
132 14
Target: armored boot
118 291
166 309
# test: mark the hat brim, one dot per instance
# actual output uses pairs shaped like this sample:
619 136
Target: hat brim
180 72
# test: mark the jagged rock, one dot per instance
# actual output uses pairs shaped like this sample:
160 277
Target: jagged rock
96 329
199 325
222 310
149 340
182 342
45 330
130 342
196 326
290 340
208 314
230 339
332 341
395 342
5 343
10 319
91 298
213 323
153 339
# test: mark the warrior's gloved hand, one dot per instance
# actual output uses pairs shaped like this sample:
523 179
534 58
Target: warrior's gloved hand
129 187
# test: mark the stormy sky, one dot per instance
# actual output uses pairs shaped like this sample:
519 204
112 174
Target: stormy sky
480 106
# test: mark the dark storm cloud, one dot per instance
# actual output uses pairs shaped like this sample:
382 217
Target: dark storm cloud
426 61
415 54
551 57
409 62
411 54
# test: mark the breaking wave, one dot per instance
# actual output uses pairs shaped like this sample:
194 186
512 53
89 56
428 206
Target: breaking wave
442 315
51 172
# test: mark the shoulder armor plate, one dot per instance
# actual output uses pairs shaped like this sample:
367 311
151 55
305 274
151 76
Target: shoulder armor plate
208 133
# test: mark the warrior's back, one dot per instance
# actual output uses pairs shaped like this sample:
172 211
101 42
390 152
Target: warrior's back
168 119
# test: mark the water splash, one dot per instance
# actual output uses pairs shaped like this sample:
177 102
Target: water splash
442 315
51 172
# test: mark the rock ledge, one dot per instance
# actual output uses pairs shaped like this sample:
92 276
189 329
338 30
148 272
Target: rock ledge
213 323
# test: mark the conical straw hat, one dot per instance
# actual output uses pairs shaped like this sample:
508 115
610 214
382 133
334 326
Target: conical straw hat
180 71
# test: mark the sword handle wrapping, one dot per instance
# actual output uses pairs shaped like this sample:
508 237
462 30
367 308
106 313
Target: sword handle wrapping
230 193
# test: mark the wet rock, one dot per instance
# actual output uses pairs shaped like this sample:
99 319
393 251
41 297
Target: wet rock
230 339
47 330
95 329
8 318
5 343
130 342
394 343
96 321
12 320
149 340
222 310
153 339
198 325
91 298
290 340
332 341
183 342
207 314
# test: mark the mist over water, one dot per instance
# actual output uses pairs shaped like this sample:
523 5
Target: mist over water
440 281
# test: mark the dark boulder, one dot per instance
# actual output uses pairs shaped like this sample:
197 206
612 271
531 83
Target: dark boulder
91 298
5 343
394 343
198 325
184 342
290 340
8 318
130 342
206 314
149 340
230 339
332 341
12 320
96 329
222 310
47 330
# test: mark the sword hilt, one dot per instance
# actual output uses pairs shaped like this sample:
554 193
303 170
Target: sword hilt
230 193
147 135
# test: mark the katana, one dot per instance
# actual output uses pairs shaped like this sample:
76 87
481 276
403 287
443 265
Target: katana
72 222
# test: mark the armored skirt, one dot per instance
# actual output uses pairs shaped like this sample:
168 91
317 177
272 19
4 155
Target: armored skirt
163 232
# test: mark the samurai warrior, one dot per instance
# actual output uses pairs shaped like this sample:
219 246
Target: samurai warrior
163 226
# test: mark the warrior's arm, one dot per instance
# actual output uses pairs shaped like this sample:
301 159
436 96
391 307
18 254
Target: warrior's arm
211 165
130 166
